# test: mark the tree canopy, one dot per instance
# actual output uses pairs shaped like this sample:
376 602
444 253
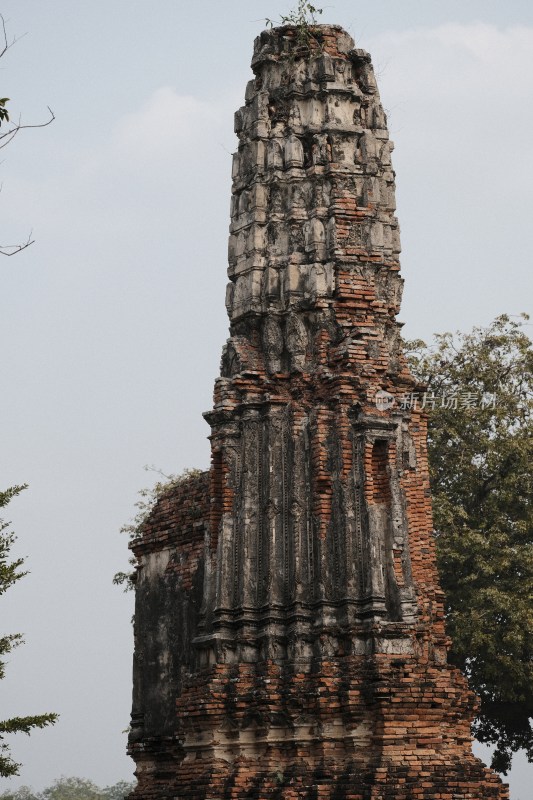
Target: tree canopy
72 789
479 397
10 572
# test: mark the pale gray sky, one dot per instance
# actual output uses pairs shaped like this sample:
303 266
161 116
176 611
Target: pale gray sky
113 322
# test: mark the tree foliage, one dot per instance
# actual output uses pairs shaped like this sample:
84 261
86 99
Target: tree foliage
72 789
480 463
10 572
4 113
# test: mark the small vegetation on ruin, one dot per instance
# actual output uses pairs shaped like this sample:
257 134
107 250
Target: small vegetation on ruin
148 498
303 18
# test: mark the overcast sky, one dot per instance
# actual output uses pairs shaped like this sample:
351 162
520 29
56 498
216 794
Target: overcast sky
112 323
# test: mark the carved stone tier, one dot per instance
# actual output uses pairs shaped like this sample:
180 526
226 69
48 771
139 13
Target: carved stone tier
290 637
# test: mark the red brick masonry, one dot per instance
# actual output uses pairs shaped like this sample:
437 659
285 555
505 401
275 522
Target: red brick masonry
289 630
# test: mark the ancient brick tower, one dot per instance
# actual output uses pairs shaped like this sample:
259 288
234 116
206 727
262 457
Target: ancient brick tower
289 625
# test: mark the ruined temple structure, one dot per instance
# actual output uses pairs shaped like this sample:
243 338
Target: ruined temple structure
289 631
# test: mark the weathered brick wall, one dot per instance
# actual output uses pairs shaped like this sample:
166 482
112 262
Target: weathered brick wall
169 588
290 637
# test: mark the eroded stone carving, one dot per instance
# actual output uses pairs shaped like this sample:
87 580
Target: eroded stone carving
297 341
272 343
293 152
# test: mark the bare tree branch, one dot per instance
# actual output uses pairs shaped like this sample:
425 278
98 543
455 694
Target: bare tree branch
7 136
13 249
7 43
12 132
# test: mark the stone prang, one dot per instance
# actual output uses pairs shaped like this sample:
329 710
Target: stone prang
289 625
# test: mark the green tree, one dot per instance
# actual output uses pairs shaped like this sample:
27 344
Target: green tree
118 791
72 789
480 397
22 793
11 572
